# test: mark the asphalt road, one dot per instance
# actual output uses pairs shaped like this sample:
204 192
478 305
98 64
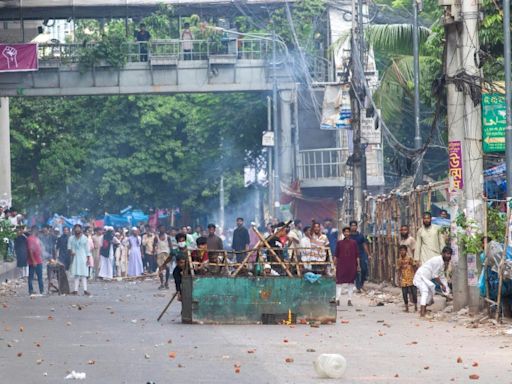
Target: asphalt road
114 337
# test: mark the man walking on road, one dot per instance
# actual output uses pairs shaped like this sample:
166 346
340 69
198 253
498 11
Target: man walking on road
429 240
347 264
364 254
433 269
241 239
79 250
35 261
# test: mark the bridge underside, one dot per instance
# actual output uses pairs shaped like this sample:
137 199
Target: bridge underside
140 78
62 9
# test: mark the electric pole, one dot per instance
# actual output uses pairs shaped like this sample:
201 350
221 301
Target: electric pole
418 175
455 121
464 133
508 97
356 98
473 153
277 185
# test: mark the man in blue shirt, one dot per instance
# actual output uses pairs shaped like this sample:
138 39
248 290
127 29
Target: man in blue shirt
364 254
332 235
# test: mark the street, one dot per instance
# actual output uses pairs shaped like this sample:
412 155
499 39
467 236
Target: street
114 337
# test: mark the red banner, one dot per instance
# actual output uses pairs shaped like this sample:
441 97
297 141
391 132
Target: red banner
18 57
455 174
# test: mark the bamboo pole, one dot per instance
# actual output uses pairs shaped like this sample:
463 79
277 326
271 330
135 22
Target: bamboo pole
265 242
191 265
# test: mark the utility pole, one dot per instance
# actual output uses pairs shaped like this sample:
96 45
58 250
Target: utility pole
455 121
277 185
508 96
472 150
464 135
270 167
418 179
355 97
221 188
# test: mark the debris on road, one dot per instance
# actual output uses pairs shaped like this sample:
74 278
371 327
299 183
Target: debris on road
76 376
330 365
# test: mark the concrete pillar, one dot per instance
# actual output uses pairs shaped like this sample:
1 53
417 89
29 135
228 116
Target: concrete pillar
286 145
5 154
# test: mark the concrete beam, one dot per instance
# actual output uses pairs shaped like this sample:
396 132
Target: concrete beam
62 9
141 78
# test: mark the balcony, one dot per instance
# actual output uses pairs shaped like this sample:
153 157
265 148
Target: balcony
327 167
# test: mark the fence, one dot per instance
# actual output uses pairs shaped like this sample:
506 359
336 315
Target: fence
383 217
287 261
248 49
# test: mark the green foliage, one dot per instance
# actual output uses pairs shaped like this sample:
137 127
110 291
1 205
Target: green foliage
6 233
469 235
309 18
109 45
103 153
496 224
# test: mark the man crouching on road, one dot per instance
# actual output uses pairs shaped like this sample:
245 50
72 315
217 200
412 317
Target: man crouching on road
433 269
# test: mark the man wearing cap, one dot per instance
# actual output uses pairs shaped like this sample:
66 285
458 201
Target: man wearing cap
268 271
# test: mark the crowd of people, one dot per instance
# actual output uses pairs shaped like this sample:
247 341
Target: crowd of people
107 253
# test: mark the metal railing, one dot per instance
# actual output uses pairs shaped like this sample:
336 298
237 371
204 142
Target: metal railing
248 49
330 163
314 164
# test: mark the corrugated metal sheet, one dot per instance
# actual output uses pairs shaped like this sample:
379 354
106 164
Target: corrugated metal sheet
244 300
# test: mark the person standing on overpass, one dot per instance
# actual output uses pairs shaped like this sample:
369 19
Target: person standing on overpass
142 36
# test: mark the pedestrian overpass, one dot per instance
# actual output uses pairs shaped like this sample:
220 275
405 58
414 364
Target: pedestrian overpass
243 65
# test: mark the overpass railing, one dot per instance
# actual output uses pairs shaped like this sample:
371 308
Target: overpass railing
321 165
248 49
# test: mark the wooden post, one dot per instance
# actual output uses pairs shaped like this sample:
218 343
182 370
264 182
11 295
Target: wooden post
429 199
191 265
226 263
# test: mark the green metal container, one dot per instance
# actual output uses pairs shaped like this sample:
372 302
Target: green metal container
249 300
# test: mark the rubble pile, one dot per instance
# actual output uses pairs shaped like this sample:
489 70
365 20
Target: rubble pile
9 287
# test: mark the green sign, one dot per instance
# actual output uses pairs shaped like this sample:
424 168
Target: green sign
494 122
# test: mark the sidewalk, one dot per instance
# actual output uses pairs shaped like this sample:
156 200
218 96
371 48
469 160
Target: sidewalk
7 270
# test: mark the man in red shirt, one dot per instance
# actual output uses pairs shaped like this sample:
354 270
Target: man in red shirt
346 260
35 262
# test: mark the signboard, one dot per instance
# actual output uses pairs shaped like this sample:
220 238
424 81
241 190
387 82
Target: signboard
369 135
267 139
18 57
493 122
336 110
455 166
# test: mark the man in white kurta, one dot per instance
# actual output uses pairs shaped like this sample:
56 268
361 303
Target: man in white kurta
429 240
433 269
78 246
